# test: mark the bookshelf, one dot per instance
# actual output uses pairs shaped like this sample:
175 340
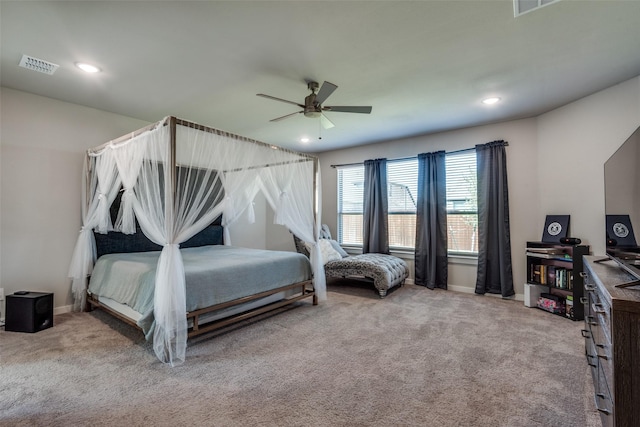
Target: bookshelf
557 268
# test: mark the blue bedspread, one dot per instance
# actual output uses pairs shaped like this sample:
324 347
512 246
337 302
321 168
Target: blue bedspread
214 274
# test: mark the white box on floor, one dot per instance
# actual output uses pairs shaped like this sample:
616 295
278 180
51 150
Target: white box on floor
532 293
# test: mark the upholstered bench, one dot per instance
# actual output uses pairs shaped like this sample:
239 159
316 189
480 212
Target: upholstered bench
386 271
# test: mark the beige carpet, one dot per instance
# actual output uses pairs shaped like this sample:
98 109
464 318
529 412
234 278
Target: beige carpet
417 358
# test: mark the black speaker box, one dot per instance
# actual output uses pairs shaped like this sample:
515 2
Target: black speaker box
29 312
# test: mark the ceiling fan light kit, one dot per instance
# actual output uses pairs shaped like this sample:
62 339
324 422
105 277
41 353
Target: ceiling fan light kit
312 106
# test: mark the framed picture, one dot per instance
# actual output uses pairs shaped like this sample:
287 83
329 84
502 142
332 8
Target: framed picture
619 228
555 228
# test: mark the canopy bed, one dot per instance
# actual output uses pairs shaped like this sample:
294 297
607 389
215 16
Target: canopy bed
166 263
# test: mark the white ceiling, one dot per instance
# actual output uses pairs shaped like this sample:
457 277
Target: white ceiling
424 66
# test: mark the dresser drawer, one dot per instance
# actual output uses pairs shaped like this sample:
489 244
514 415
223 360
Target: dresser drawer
604 399
591 355
613 325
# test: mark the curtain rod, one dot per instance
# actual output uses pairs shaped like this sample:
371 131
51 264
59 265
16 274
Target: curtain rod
414 157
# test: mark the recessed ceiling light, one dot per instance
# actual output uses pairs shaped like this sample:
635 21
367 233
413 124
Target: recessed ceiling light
490 101
87 67
304 139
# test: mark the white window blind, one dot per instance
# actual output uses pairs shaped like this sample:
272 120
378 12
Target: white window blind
462 202
350 204
402 193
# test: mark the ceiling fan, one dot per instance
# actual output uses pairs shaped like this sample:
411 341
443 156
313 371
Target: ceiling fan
313 107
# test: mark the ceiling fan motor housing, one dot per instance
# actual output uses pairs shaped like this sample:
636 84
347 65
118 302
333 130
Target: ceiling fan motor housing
311 107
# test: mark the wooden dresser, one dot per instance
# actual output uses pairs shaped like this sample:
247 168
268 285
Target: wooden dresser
612 341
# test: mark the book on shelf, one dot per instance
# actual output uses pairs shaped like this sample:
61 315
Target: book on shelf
558 256
569 306
551 275
545 250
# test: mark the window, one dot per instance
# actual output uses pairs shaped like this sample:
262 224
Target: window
402 193
402 181
350 204
462 202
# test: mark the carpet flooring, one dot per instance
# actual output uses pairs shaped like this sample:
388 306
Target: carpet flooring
416 358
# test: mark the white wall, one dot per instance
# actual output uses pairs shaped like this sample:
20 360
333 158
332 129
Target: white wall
522 170
574 143
555 165
42 147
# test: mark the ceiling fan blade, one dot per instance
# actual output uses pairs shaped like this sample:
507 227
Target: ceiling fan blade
284 117
326 123
325 91
279 99
349 109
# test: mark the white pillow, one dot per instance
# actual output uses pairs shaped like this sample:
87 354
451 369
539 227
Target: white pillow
326 250
338 248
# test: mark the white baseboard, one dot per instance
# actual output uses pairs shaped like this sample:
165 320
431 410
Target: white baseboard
62 310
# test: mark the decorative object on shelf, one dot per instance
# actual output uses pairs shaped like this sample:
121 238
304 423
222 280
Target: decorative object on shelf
620 231
551 303
570 241
556 227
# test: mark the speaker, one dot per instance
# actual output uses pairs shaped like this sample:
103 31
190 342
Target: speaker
570 241
29 312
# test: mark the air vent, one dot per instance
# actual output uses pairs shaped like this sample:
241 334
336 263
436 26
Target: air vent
35 64
523 6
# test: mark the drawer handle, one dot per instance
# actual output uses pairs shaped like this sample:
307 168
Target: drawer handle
604 411
583 300
598 308
584 333
589 287
602 356
593 365
590 320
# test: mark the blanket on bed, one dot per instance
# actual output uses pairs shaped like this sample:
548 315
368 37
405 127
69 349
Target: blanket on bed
214 274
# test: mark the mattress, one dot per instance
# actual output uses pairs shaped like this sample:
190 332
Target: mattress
213 274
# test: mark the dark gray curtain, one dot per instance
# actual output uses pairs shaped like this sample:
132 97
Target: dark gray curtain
431 262
494 241
375 237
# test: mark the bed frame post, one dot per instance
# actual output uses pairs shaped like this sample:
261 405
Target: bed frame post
316 163
170 191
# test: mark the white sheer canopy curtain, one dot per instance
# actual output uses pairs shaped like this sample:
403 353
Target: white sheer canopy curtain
129 162
177 178
98 192
289 186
